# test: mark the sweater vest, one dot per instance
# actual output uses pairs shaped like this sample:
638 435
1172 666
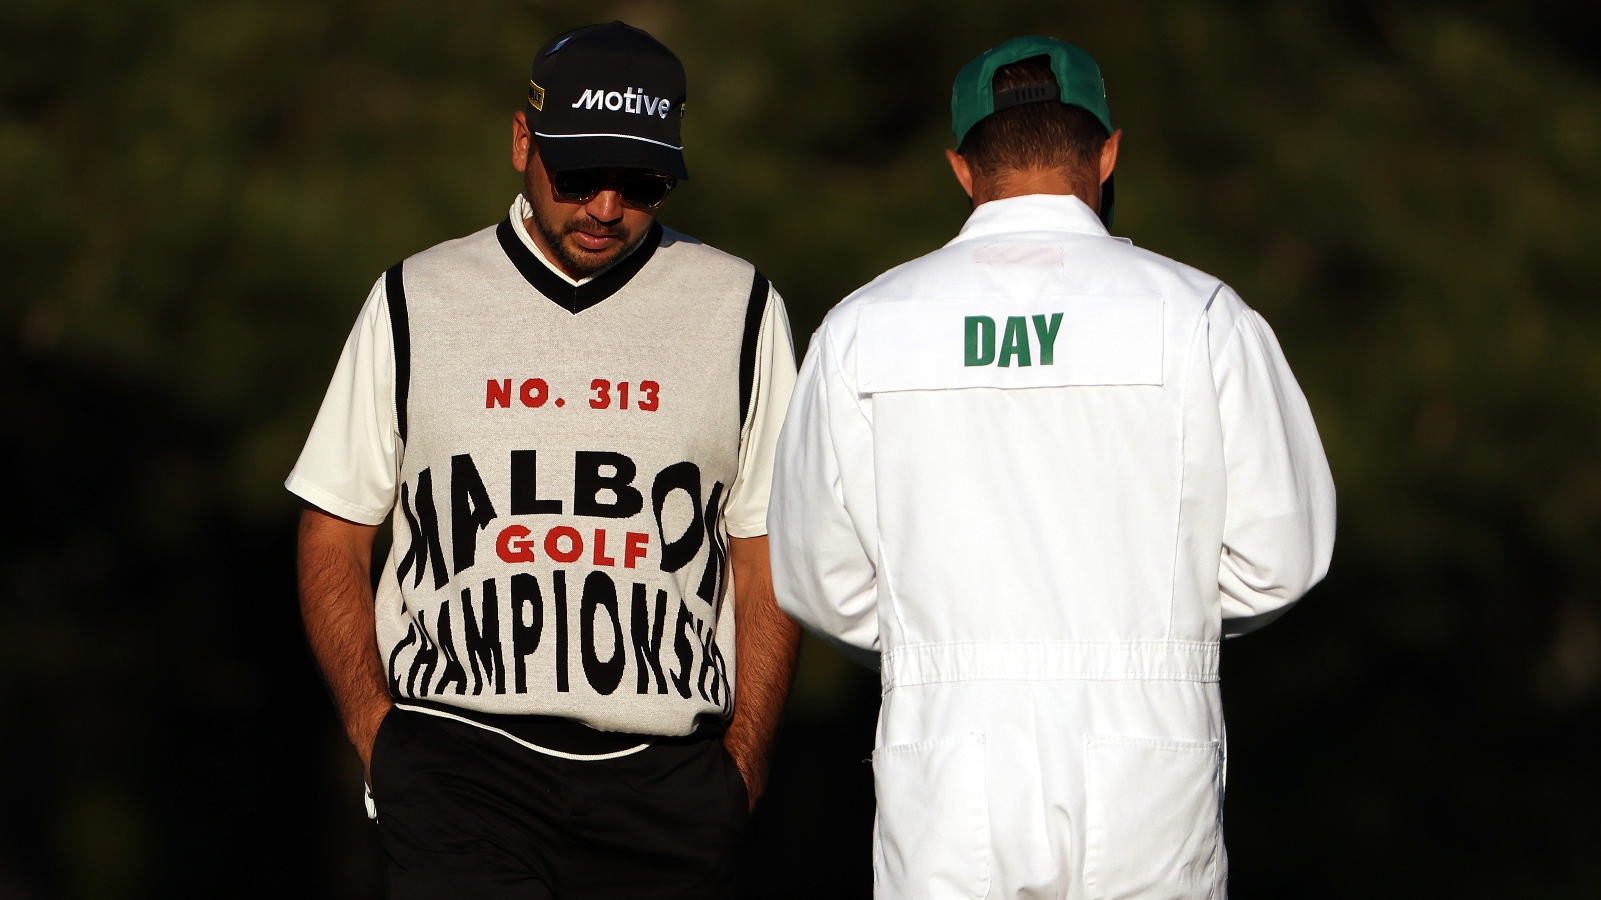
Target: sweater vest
567 453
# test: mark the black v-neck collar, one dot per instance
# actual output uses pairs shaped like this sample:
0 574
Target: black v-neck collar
575 298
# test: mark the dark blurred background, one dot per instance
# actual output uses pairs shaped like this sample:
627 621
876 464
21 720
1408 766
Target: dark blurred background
196 196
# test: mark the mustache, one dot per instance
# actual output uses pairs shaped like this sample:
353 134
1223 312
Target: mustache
591 225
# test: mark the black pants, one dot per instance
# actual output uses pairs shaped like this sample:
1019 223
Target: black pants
468 813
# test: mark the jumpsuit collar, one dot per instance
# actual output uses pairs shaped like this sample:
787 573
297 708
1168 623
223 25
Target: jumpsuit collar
1031 212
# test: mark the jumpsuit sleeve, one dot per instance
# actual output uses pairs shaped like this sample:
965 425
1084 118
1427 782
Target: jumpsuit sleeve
821 523
1278 529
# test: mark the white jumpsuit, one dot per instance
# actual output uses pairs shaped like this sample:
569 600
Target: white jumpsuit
1041 472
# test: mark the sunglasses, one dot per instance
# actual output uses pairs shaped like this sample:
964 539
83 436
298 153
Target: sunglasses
643 191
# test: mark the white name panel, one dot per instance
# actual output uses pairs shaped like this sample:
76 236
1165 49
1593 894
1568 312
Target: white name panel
1010 342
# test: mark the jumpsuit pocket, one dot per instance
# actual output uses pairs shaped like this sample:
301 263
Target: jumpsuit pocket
933 834
1153 823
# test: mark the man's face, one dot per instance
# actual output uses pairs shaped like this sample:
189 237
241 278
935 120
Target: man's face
583 238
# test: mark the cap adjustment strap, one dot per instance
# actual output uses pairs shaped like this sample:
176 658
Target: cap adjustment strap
1028 93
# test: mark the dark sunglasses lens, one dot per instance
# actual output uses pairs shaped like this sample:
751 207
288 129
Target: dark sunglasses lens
576 186
644 191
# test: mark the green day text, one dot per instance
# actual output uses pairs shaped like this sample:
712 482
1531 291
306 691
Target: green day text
611 576
979 341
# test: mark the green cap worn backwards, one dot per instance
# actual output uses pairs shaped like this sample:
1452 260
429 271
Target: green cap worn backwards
1078 80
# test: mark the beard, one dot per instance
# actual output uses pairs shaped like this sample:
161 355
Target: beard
579 260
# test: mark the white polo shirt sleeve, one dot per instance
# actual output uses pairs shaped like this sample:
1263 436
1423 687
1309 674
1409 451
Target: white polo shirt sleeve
745 514
351 462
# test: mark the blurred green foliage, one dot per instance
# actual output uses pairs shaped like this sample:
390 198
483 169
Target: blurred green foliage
195 197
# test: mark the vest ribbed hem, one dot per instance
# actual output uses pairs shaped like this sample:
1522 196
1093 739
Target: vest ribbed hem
568 737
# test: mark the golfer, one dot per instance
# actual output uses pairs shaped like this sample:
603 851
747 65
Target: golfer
1042 472
569 419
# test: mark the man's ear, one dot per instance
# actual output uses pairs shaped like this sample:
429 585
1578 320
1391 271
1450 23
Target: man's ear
1109 154
963 171
522 142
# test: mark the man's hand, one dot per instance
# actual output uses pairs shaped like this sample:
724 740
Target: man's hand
336 602
363 730
765 645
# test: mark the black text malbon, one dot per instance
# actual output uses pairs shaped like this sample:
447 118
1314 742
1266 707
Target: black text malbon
603 488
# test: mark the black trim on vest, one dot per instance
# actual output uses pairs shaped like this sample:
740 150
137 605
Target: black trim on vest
568 735
575 298
747 347
400 328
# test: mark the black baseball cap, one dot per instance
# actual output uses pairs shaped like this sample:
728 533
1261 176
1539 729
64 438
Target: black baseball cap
608 96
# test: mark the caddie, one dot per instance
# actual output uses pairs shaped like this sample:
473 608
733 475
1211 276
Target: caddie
1042 472
569 418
